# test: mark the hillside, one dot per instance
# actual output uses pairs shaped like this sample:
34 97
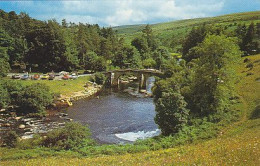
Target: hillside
177 30
237 144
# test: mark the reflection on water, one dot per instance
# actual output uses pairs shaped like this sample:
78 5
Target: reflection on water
117 117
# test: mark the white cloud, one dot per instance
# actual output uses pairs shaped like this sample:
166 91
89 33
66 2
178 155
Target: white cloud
121 12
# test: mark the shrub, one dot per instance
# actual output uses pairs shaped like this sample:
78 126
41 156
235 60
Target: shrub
5 97
246 60
72 136
34 98
14 88
10 139
250 65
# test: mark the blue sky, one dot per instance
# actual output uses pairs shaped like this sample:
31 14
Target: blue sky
126 12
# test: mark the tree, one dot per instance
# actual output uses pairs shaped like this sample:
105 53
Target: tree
141 45
161 56
195 37
170 106
214 75
94 62
64 23
46 46
148 35
4 65
128 57
251 41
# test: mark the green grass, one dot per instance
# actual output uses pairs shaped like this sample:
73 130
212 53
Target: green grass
64 87
240 149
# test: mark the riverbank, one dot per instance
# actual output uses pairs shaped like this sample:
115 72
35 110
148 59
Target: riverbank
29 125
65 100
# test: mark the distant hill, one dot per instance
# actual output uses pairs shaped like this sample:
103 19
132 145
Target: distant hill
179 29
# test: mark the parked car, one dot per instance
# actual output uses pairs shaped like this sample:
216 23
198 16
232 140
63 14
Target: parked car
35 76
57 74
16 76
45 77
51 76
25 77
63 73
73 76
66 77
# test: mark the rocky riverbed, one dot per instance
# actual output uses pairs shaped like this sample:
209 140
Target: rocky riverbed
26 127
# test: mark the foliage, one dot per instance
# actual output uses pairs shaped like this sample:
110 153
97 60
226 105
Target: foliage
10 139
94 62
171 111
14 89
5 97
149 63
34 99
4 67
215 75
100 78
5 46
72 136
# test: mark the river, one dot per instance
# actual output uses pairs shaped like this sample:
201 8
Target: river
117 117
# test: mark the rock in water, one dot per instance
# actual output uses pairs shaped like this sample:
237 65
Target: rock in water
21 126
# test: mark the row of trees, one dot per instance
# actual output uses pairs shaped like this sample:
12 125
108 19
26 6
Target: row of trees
47 46
247 38
202 88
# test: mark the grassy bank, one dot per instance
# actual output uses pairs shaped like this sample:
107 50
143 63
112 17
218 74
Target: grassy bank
64 87
242 148
236 144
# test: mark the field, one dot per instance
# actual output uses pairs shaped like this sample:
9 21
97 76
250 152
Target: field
236 144
172 33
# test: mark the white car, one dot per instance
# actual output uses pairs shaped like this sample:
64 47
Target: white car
73 76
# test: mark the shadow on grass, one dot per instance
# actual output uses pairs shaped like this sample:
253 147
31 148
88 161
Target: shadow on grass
256 113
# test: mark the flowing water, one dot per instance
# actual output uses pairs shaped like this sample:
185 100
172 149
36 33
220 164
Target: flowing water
116 116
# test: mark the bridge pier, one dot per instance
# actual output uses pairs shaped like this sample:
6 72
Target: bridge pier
142 81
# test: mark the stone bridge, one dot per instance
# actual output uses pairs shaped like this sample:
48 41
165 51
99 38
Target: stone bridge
141 74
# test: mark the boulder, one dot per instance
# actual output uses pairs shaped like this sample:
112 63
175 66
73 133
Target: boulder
2 110
17 118
7 125
21 126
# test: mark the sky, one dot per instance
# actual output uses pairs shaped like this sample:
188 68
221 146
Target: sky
127 12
